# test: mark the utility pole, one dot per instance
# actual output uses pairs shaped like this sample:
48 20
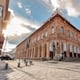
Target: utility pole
5 43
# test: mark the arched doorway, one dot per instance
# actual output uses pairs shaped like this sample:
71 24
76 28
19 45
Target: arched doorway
45 50
40 51
64 50
52 50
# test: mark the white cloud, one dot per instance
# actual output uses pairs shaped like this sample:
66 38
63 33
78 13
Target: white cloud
55 4
8 47
14 27
72 11
12 12
28 11
71 6
47 4
32 23
19 4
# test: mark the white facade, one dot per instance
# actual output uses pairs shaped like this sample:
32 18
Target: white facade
64 45
71 48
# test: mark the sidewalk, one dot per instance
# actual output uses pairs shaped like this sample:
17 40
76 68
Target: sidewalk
2 65
41 71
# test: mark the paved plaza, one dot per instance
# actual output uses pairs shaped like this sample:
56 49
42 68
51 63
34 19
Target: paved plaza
40 70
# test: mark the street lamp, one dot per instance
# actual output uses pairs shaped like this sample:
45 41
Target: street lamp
3 50
19 62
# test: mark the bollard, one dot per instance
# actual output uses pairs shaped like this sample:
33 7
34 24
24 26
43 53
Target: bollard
19 64
6 66
26 63
30 62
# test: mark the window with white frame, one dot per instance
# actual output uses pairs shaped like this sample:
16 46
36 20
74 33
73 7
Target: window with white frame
79 38
52 30
75 36
69 47
46 34
78 50
38 37
71 50
34 40
0 10
64 46
72 35
74 49
68 33
42 36
62 30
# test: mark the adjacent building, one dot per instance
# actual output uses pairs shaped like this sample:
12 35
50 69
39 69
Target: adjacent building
56 38
4 17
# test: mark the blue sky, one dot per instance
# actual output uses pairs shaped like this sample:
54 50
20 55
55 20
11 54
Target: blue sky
35 12
40 10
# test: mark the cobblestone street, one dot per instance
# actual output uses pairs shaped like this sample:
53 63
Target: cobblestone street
40 71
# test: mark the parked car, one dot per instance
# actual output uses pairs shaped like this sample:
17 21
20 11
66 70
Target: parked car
6 57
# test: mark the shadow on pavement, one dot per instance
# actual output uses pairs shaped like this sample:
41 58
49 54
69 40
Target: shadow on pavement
4 72
27 73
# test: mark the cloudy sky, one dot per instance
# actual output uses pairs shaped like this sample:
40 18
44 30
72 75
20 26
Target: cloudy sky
29 15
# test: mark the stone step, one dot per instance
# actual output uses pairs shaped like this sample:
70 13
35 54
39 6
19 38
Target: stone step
71 59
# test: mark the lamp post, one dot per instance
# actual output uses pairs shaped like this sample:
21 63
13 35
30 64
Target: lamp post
25 57
5 43
19 59
57 42
0 52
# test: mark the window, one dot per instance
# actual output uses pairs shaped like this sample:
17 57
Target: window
77 49
34 40
72 48
0 10
69 47
68 33
79 38
52 30
72 35
38 37
42 36
62 30
46 34
27 46
75 36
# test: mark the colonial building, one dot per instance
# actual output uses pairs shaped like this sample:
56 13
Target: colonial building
4 16
56 38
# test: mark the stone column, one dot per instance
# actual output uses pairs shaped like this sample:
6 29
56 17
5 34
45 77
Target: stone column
67 50
47 55
34 53
42 51
37 52
31 52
